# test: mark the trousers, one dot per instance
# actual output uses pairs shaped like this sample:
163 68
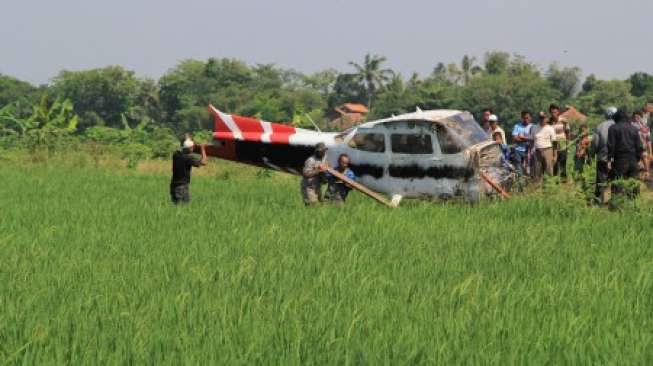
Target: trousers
179 193
543 163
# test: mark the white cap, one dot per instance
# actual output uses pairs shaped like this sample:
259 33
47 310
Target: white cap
610 111
493 118
188 144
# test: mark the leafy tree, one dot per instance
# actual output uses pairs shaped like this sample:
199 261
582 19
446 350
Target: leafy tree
322 81
394 98
604 94
508 94
590 83
519 66
188 88
372 75
13 90
641 84
566 80
101 96
439 73
346 89
454 74
469 69
496 62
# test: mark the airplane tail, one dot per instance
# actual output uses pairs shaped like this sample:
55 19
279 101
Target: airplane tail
227 127
261 143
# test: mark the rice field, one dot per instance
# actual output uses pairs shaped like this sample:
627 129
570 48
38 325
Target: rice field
96 267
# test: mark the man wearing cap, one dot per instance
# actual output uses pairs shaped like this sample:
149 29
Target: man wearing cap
313 175
495 128
182 162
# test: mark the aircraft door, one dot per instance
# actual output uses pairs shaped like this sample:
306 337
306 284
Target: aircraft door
414 157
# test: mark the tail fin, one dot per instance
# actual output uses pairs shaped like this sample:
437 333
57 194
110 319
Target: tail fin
232 127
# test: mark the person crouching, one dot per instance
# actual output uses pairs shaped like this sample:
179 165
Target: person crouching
337 190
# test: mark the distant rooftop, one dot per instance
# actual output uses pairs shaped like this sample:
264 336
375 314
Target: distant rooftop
356 108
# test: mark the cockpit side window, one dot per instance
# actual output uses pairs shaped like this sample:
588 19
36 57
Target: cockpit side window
406 143
448 144
368 141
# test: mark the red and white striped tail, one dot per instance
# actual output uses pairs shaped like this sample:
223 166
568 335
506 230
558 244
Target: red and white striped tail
227 127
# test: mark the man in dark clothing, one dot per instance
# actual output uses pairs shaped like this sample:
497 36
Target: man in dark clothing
599 147
182 163
624 147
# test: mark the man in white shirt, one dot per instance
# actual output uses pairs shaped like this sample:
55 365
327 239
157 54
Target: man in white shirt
494 128
544 136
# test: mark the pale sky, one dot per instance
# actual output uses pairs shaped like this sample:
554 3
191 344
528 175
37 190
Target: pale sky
38 38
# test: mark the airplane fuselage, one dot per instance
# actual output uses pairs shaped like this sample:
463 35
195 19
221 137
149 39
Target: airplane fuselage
407 157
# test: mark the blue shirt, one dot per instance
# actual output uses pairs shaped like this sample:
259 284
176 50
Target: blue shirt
506 152
521 146
337 189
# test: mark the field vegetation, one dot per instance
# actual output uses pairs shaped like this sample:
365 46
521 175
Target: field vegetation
98 267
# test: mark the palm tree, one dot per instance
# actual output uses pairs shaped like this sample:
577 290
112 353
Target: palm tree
468 68
371 74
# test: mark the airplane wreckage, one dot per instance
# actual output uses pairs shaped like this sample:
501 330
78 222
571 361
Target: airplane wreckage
437 154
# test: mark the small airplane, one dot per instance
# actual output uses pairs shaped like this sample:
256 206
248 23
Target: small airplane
436 154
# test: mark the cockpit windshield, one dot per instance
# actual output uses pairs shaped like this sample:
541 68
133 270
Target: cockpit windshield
469 131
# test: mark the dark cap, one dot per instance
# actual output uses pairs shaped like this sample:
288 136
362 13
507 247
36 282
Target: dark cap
320 147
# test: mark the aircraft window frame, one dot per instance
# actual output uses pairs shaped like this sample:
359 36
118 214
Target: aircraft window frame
447 141
395 146
380 147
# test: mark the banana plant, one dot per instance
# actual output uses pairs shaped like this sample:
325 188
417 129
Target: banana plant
9 123
57 118
49 121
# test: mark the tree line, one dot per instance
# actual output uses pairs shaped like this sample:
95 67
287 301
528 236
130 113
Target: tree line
116 98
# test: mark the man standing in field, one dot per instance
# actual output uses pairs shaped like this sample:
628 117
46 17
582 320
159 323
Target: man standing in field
599 147
561 128
544 155
625 148
521 134
182 163
645 136
313 175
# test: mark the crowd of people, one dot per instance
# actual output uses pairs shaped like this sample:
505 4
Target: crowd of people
621 145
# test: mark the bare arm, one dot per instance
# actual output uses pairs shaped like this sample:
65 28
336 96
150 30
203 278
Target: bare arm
204 159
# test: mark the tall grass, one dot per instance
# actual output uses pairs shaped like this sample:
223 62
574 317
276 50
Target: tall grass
98 267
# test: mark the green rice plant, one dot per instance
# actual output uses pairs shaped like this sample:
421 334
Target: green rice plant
97 267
